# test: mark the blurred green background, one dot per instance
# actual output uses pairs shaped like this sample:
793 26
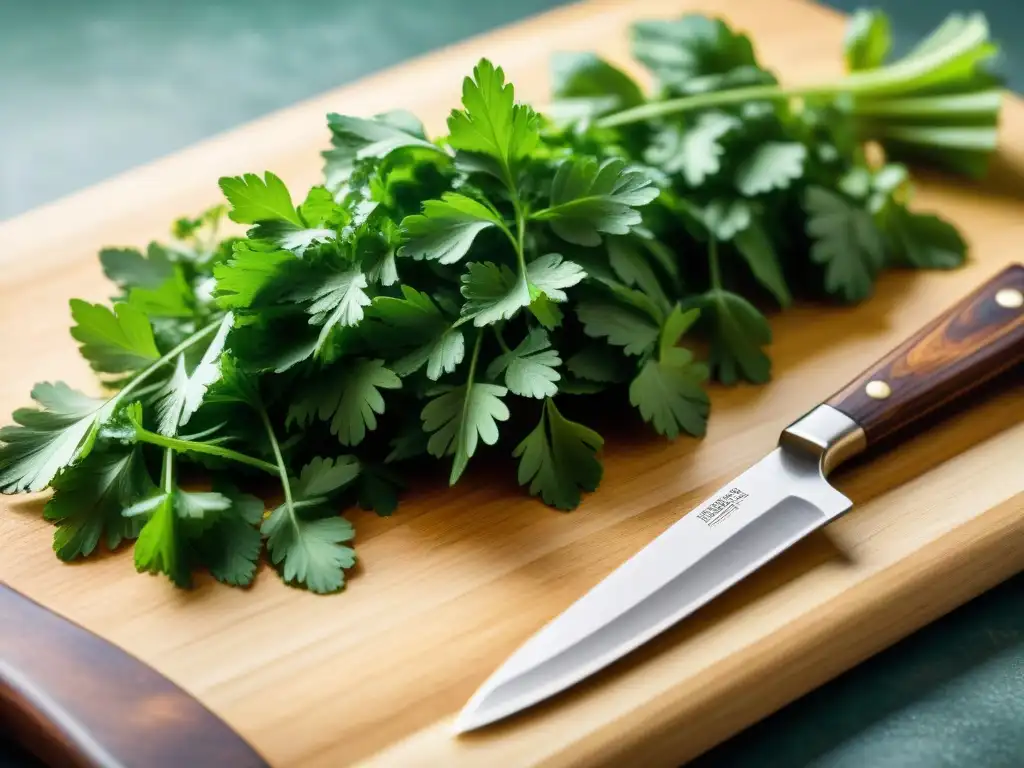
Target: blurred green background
89 89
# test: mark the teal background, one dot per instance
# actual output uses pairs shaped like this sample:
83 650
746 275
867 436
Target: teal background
88 89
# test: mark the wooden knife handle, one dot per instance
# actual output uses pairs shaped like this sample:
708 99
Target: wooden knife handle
74 699
980 337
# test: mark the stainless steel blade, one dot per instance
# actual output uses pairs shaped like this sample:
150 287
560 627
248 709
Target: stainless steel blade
749 521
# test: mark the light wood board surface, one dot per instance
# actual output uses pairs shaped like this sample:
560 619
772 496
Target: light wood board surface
457 579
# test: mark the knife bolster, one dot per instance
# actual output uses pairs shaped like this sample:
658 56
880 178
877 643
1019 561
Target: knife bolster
827 434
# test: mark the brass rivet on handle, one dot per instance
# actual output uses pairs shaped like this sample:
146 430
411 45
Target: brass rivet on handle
1010 298
877 389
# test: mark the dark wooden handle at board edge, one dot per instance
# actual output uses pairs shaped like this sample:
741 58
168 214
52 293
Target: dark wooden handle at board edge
74 699
980 337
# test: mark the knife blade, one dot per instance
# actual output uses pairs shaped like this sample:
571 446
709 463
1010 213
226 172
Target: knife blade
764 511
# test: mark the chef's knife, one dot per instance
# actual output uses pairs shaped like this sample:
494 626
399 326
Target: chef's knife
74 699
765 510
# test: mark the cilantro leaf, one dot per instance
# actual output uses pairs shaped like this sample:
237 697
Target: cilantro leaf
529 368
183 393
254 199
348 397
669 395
130 269
160 545
586 86
846 242
356 138
757 249
696 53
378 489
491 122
598 362
697 151
622 326
417 328
460 417
546 311
446 228
922 240
44 441
254 279
89 497
336 300
172 298
230 548
588 198
113 341
773 165
311 551
550 273
739 332
632 268
559 459
725 218
492 293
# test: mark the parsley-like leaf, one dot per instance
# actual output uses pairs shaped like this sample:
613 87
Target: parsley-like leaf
773 165
586 86
598 362
357 138
559 459
254 199
336 300
493 293
622 326
44 441
348 397
446 228
846 242
230 548
89 498
310 552
415 326
757 249
669 395
739 332
697 151
459 418
492 123
113 341
922 240
529 368
130 269
588 198
550 274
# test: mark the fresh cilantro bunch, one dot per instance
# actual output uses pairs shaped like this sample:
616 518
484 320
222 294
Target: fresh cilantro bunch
620 249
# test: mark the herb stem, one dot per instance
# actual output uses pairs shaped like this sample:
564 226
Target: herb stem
191 446
473 359
167 476
280 469
716 274
501 340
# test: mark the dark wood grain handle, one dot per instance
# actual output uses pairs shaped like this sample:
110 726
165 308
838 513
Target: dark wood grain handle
980 337
74 699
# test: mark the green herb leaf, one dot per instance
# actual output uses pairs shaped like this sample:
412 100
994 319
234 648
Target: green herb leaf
113 341
230 548
459 418
89 498
773 165
757 249
348 397
739 332
622 326
586 86
336 300
254 199
697 151
356 138
551 273
922 240
310 552
588 198
446 229
598 362
46 440
559 459
492 123
669 395
492 293
415 326
846 242
529 368
130 269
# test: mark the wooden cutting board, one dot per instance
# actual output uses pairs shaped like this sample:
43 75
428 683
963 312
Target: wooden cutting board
458 578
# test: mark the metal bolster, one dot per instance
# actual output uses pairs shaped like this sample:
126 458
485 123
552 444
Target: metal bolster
827 434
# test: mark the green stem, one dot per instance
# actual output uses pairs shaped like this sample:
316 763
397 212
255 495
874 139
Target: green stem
714 99
472 361
501 340
280 468
144 435
716 275
199 335
167 476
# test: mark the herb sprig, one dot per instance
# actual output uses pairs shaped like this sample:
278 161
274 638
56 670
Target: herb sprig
403 310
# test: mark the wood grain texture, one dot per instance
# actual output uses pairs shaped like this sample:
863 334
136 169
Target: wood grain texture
76 699
457 579
957 351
